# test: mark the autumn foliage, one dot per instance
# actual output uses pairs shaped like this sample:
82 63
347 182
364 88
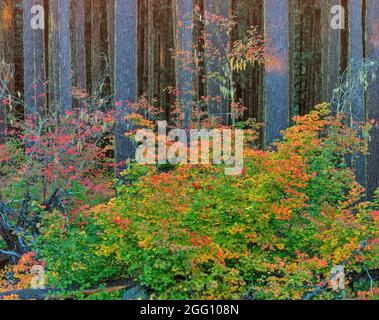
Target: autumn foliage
274 232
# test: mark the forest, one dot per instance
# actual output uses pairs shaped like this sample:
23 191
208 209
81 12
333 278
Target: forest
189 150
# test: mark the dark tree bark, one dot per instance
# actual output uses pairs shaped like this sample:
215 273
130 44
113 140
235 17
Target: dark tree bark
357 113
1 30
300 66
8 31
142 47
34 63
96 70
59 55
331 51
111 37
291 55
166 68
125 73
2 86
373 95
276 72
184 44
7 59
151 46
78 40
216 50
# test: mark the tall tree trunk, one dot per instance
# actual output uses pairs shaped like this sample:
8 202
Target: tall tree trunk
96 72
356 111
111 37
373 94
59 55
34 63
8 31
331 51
317 79
184 50
151 41
143 41
291 55
78 44
215 54
1 30
2 87
300 75
167 64
7 60
125 73
276 71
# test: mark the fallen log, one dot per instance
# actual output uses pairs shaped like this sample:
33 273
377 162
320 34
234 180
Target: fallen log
29 294
56 294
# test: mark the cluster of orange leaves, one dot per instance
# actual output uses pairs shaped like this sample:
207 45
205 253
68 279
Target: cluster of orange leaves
21 275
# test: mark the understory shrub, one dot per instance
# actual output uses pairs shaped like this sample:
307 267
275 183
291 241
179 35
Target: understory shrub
274 232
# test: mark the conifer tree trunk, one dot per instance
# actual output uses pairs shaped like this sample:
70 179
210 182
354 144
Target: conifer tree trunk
111 37
151 39
184 38
34 62
331 51
125 73
7 60
356 112
373 95
2 86
276 70
167 64
216 49
1 30
78 44
291 54
8 31
59 55
96 70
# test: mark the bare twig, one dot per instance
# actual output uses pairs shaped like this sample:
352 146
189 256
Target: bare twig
10 253
317 290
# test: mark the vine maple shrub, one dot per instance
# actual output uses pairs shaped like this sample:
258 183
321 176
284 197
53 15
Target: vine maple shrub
57 149
191 232
52 162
